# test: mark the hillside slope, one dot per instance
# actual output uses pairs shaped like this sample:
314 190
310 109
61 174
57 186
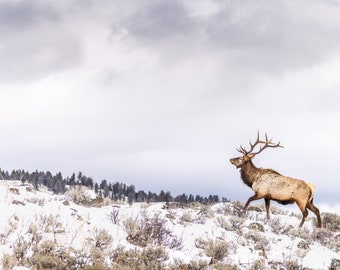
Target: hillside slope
40 230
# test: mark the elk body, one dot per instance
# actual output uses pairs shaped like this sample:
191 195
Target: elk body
269 185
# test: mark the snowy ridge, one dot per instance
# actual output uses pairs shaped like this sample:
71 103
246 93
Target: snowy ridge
40 230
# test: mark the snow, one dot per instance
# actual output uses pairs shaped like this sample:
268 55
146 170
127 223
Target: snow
73 225
319 258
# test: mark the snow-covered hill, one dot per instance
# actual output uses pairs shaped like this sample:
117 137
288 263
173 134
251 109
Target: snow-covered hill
39 230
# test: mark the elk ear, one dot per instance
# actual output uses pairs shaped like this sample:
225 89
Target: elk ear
251 156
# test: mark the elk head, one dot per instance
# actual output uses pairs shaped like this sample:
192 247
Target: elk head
249 155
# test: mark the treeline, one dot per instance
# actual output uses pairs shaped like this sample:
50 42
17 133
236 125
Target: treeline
120 191
115 191
56 183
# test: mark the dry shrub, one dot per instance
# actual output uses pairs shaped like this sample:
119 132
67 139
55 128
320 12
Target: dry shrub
20 250
35 235
302 233
151 231
50 223
231 209
97 257
114 216
12 225
223 266
134 232
37 200
79 195
8 262
205 212
258 264
331 222
40 261
148 258
30 251
303 245
327 238
81 259
238 209
66 203
292 264
186 217
226 209
335 264
193 265
334 244
171 215
95 266
153 258
16 202
120 258
67 256
255 208
256 227
45 257
98 248
222 222
323 236
259 240
99 202
278 227
235 223
102 239
287 263
216 249
48 255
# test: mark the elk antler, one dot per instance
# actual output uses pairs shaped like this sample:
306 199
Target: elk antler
267 143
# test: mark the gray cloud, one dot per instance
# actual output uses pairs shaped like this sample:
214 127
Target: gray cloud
159 94
247 35
34 41
18 15
160 21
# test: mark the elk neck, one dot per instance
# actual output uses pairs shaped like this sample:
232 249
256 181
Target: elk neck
249 173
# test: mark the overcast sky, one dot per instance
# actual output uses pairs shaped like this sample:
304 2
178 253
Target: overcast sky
160 93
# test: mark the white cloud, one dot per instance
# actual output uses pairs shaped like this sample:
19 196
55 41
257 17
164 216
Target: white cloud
160 94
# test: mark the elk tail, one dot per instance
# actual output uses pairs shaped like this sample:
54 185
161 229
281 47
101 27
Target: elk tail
312 191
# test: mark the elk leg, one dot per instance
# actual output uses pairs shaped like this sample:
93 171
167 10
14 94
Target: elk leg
252 198
304 213
304 216
267 202
316 211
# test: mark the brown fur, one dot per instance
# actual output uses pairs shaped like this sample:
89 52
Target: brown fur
270 185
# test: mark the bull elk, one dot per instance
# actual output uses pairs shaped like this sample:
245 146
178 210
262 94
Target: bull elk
270 185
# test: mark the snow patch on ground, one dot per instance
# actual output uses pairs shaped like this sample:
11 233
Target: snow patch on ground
319 258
